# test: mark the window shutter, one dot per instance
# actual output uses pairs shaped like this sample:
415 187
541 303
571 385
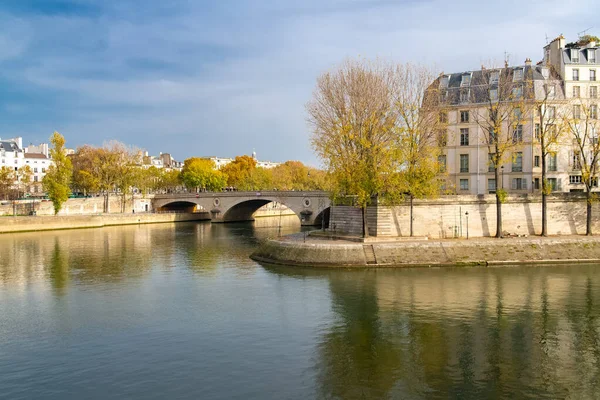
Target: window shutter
558 184
514 183
524 183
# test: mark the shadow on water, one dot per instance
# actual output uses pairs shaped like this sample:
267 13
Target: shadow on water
459 333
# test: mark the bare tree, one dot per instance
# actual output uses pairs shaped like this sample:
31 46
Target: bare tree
500 109
547 101
581 120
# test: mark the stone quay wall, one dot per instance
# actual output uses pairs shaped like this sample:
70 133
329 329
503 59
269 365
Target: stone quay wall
79 206
297 251
45 223
446 217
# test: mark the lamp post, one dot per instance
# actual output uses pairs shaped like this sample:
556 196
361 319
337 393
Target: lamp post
502 177
467 214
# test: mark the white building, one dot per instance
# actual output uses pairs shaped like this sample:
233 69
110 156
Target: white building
566 72
13 155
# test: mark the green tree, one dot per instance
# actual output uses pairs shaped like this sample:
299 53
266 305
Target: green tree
24 177
200 173
58 178
353 119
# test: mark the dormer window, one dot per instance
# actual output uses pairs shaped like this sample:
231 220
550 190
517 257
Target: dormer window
466 80
518 76
517 92
494 77
545 72
591 55
444 82
575 55
464 96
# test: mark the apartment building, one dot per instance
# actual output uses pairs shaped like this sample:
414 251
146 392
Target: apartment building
566 72
14 155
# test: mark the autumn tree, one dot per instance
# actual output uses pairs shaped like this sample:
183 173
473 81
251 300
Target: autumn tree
418 129
57 180
353 118
85 177
239 170
24 177
500 109
200 173
7 181
583 125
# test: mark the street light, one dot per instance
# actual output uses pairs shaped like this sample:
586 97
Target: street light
502 177
467 214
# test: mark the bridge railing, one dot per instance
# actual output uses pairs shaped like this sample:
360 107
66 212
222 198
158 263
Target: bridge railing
257 193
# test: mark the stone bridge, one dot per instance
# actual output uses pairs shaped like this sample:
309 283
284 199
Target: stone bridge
310 207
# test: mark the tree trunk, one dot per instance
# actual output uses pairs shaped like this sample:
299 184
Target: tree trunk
544 195
365 224
498 207
411 215
588 222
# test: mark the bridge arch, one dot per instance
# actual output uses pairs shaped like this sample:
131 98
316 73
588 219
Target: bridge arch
183 206
245 209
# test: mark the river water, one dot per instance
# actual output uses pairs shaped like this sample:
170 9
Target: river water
180 312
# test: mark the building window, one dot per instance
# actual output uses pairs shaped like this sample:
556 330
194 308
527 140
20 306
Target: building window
574 179
518 74
491 162
464 184
464 163
593 92
517 92
464 96
442 138
43 170
594 181
517 164
576 91
551 112
493 94
575 161
519 184
491 185
494 77
442 163
537 132
552 162
593 111
518 134
464 136
592 74
555 184
35 170
536 183
35 178
575 74
575 55
592 55
464 117
444 82
466 80
536 161
577 111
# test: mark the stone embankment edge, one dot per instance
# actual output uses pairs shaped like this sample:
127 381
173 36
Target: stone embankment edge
482 253
48 223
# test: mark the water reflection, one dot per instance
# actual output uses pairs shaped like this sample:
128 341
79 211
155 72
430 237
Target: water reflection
460 333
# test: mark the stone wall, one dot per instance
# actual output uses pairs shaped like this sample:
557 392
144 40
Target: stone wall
83 206
44 223
446 217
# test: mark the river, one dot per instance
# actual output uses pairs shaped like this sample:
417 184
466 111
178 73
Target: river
179 311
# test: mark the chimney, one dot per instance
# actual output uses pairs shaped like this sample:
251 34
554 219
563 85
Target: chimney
19 141
528 61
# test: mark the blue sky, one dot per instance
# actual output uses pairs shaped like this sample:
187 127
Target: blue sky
199 78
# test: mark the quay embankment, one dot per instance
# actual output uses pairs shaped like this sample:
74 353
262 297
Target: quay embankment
45 223
310 251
